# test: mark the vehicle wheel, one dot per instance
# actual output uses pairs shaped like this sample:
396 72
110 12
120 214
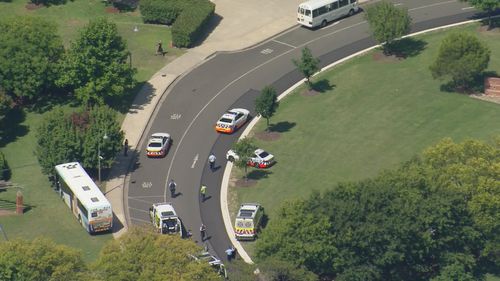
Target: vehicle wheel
230 158
351 12
323 23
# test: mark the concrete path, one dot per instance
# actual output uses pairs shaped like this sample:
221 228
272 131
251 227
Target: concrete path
238 24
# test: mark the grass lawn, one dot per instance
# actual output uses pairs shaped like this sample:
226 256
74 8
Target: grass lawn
48 216
377 115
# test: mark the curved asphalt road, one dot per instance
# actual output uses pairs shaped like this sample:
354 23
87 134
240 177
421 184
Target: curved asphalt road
230 80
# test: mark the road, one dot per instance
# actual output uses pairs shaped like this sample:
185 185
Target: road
191 106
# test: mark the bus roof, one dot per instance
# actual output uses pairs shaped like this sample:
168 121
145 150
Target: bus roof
314 4
82 185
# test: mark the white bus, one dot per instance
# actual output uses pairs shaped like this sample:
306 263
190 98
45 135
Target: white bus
84 198
319 12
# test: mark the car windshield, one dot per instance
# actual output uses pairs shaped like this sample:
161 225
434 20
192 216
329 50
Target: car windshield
225 120
263 154
155 144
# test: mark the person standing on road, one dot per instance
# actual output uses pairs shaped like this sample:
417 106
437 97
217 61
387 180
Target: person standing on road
203 232
203 192
211 161
172 185
230 252
125 147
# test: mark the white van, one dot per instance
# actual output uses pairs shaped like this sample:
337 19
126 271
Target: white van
319 12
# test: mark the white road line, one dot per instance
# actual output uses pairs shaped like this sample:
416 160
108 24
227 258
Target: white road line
195 160
286 44
152 196
135 219
140 210
467 8
398 4
144 201
433 5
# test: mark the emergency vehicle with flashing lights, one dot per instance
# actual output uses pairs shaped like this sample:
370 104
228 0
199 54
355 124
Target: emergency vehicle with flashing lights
248 221
165 219
260 159
232 120
158 145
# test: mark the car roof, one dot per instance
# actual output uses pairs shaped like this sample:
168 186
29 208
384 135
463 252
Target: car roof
166 210
160 135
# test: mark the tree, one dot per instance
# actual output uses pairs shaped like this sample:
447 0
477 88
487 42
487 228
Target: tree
244 148
307 65
30 54
77 136
267 103
143 254
488 6
4 168
462 57
273 269
96 65
40 259
387 23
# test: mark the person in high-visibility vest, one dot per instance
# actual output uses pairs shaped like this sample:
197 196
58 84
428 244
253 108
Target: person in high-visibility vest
203 192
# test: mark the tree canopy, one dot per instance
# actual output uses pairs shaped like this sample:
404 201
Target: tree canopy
244 148
434 218
462 57
40 259
387 23
96 65
488 6
77 136
267 103
308 65
30 54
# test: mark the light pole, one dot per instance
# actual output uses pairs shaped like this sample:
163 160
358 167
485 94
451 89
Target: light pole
105 137
4 234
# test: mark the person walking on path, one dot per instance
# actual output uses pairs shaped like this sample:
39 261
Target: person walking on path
125 148
211 161
203 192
203 232
172 185
159 49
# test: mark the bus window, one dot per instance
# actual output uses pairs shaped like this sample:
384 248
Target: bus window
335 6
354 1
315 13
343 3
322 10
308 13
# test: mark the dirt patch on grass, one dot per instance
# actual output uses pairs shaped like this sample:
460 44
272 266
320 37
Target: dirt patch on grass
268 136
4 213
245 183
33 6
381 57
486 30
309 92
484 97
112 10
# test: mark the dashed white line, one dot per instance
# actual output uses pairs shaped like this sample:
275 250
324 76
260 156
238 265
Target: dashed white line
140 210
432 5
286 44
195 160
467 8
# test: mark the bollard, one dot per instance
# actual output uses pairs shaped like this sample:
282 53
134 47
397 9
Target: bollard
19 203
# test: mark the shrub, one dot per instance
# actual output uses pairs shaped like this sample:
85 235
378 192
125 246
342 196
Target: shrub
4 168
188 28
160 11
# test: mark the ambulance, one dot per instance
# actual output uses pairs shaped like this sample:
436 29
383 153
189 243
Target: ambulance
248 221
165 219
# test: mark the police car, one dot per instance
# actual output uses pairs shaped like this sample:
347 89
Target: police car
260 158
158 145
232 120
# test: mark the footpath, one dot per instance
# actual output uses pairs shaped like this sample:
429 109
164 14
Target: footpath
238 24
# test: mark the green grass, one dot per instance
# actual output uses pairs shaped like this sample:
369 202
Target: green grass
75 14
377 115
48 216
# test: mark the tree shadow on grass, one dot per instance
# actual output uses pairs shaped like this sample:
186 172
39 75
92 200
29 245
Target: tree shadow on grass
407 47
323 86
281 127
12 126
476 86
258 174
125 5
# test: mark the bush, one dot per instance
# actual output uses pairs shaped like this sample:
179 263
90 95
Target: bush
160 11
4 168
188 28
48 2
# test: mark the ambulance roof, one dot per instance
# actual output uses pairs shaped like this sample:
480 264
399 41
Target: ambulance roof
165 210
248 210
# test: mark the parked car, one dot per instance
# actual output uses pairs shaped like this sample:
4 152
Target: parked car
260 158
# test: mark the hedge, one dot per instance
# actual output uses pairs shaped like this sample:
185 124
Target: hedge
161 11
4 168
189 25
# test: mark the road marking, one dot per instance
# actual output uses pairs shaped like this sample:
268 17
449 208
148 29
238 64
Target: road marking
147 184
286 44
175 116
432 5
140 220
467 8
266 51
194 161
398 4
140 210
144 201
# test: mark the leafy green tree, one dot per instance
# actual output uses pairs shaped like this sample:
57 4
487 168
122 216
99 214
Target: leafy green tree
267 103
307 65
143 254
244 148
58 141
4 167
462 57
5 106
30 53
488 6
387 23
277 270
40 259
96 65
101 133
